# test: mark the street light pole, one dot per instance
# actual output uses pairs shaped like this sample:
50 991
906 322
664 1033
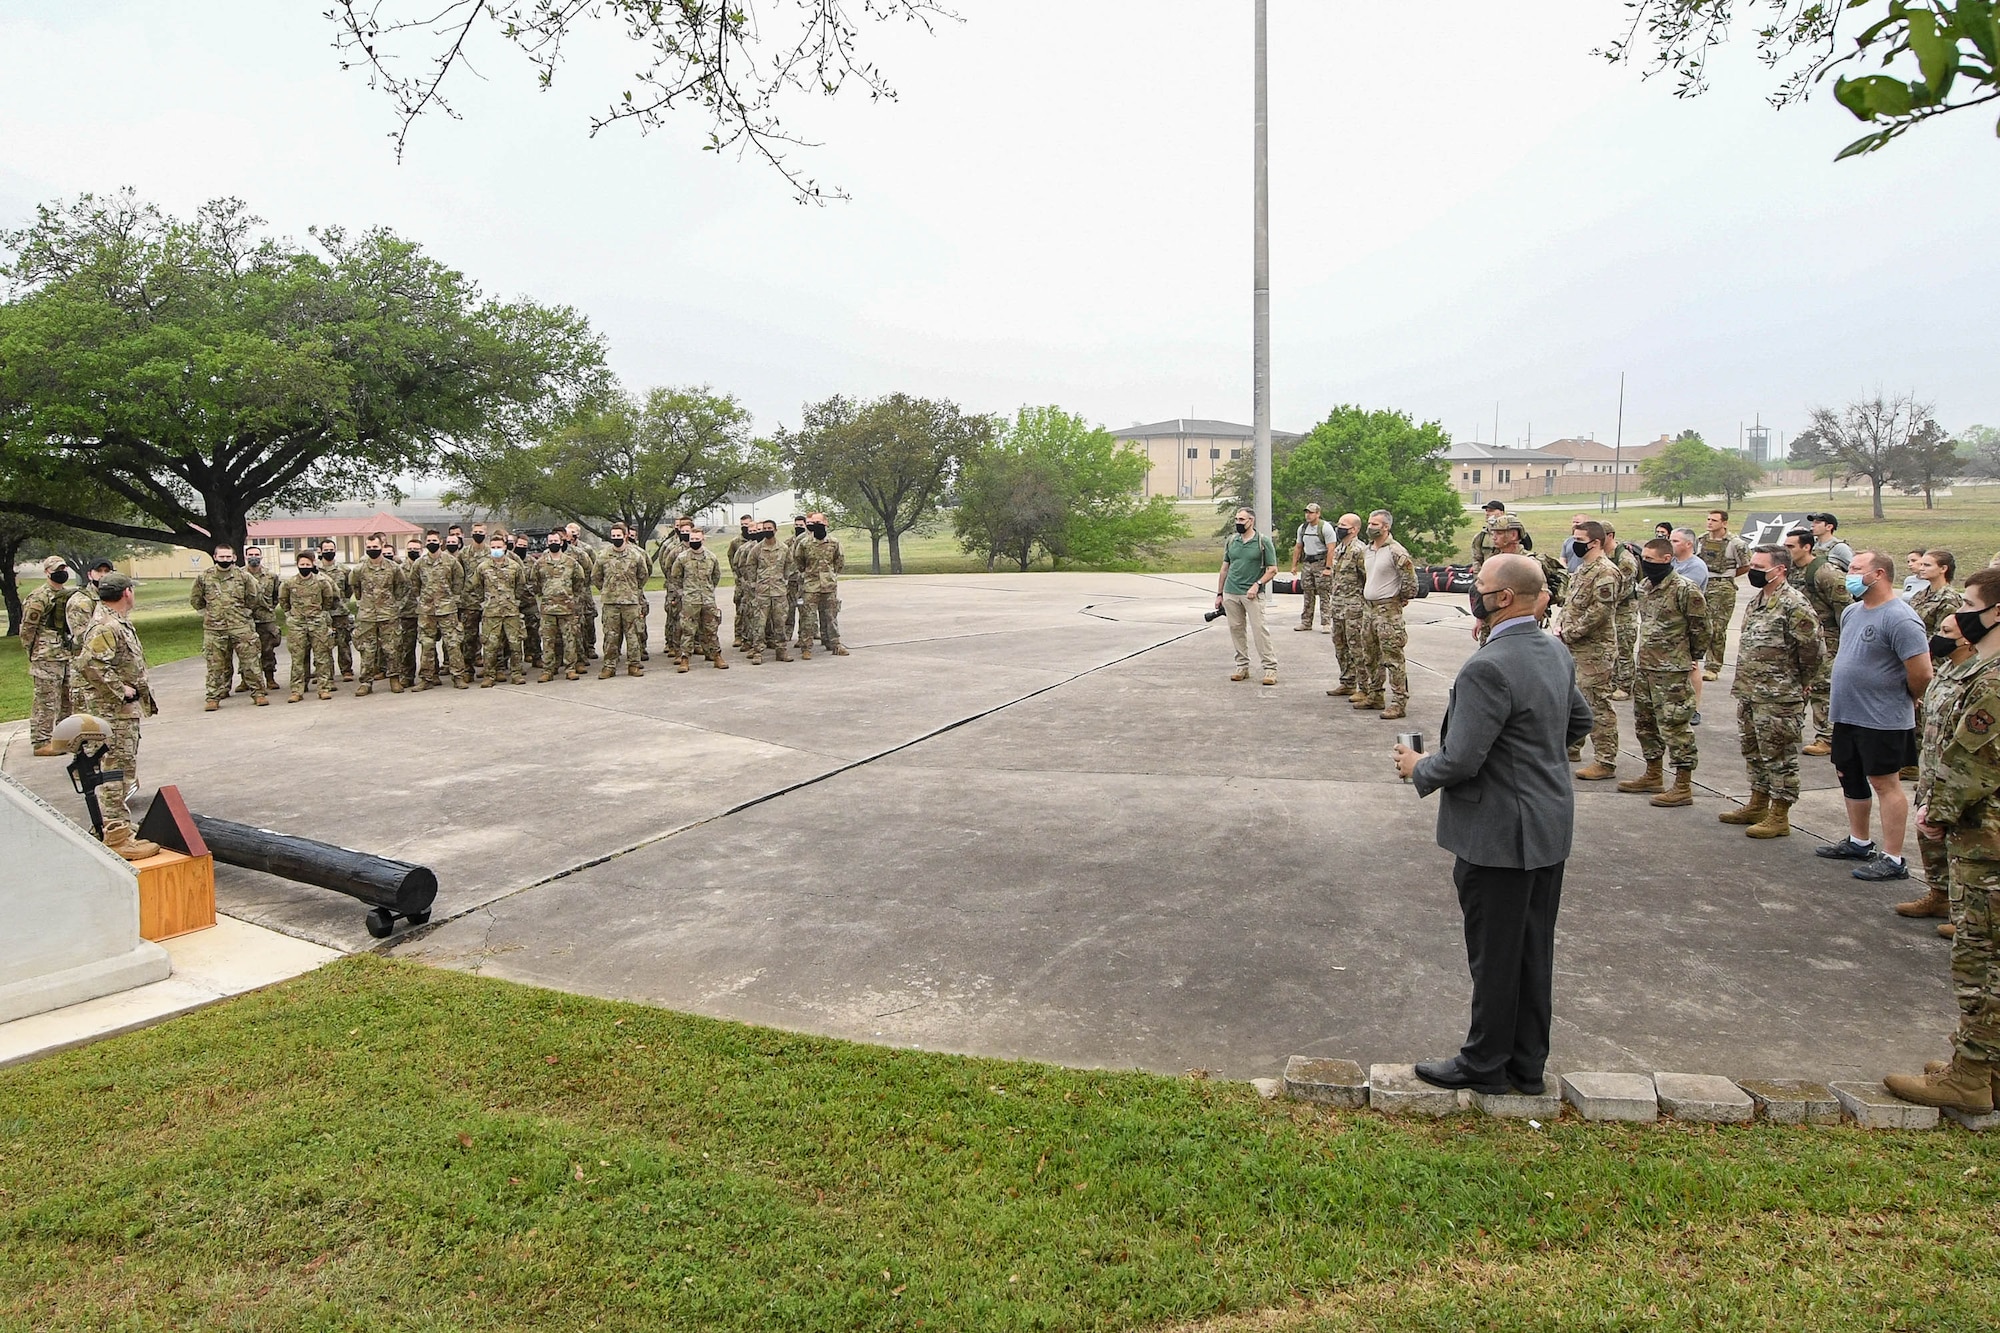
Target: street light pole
1618 446
1260 293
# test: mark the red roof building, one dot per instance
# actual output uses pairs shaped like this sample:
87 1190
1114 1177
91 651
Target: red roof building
350 535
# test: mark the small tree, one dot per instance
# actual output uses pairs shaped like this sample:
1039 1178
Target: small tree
1979 452
1681 469
1360 460
1009 504
1864 439
891 459
1929 460
1732 476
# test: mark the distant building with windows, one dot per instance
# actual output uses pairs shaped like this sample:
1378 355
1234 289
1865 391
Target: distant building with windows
1185 455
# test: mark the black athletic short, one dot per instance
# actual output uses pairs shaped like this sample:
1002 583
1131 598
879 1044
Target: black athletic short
1861 753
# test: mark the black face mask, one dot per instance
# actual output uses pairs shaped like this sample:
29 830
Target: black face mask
1342 534
1970 625
1243 527
617 541
224 564
1480 610
414 553
817 530
770 539
430 546
1760 578
1943 645
798 527
694 543
374 553
557 547
1578 546
306 568
1654 571
478 536
60 577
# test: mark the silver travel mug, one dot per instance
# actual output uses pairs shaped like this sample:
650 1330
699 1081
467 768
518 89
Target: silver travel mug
1411 739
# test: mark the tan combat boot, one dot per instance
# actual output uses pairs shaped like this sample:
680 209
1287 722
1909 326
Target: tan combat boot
720 665
545 678
242 687
839 651
1681 793
363 690
1964 1085
396 686
1365 702
1710 673
634 669
1341 691
1650 780
518 678
295 696
120 838
1396 711
572 674
1750 811
487 682
460 683
1819 748
1596 771
260 699
1947 930
783 656
806 654
1935 902
209 706
607 673
48 750
680 664
326 694
1776 823
756 659
1944 1067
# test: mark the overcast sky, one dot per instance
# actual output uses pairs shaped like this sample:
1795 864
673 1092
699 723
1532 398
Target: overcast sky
1467 209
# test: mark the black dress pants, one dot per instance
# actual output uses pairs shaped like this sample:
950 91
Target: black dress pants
1510 937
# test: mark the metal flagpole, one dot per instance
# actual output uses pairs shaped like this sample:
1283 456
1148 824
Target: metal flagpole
1261 295
1618 447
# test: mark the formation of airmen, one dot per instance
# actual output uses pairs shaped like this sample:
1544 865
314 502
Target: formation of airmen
449 612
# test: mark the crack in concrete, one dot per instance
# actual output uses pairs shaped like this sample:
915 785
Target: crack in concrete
424 930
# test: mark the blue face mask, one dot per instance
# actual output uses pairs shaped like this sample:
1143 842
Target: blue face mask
1856 585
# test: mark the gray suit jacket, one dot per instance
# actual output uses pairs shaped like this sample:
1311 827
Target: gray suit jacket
1503 755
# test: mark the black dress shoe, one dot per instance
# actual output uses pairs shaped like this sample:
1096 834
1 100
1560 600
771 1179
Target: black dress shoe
1453 1074
1532 1087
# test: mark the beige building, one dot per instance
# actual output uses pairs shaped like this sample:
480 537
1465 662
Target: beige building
280 539
1185 455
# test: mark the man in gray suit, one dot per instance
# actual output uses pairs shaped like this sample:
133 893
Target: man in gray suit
1506 813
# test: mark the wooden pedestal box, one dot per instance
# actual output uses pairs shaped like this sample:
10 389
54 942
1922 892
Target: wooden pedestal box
176 894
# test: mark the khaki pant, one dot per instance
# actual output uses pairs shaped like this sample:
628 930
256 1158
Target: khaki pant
1247 613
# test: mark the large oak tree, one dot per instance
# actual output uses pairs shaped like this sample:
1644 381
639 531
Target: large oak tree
200 370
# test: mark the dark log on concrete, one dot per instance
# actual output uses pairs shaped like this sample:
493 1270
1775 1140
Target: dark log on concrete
393 888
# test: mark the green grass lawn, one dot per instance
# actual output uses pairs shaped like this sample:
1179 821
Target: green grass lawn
385 1145
168 627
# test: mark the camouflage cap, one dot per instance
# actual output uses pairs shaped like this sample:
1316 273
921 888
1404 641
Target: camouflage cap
1508 523
53 563
113 586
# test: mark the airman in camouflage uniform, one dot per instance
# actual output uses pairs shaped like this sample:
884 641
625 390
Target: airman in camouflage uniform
1726 556
78 614
1507 536
471 559
112 664
440 587
307 601
407 616
1346 572
227 599
820 567
1959 782
739 603
531 606
562 588
1777 658
1673 635
1825 590
1952 675
342 619
671 550
696 574
795 588
503 646
621 574
1315 588
1628 611
1482 540
767 565
45 634
1590 631
1389 582
1934 604
378 616
586 608
265 619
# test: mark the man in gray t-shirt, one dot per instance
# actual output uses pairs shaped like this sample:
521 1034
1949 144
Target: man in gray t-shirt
1883 667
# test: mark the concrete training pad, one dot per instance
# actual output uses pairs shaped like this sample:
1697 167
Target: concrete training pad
1142 864
1611 1096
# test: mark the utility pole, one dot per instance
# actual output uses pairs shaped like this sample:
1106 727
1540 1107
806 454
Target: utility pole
1618 444
1260 291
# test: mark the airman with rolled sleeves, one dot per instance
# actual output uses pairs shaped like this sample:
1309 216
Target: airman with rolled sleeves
1777 659
227 599
307 600
264 618
1824 587
112 663
1726 555
45 634
1673 635
1390 583
343 614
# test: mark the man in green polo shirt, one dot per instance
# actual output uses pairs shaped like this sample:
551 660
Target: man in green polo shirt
1249 562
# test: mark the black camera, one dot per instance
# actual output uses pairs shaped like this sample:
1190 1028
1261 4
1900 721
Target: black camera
1216 614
